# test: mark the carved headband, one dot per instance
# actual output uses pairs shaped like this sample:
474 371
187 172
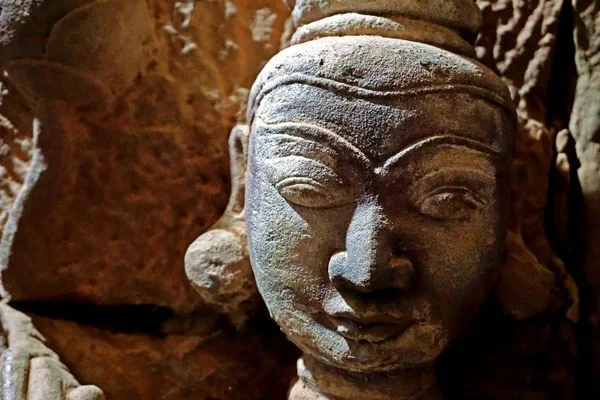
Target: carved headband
340 87
368 66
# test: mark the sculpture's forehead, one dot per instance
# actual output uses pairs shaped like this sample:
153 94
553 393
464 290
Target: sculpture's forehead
382 126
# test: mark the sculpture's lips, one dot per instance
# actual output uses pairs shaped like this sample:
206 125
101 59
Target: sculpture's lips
370 329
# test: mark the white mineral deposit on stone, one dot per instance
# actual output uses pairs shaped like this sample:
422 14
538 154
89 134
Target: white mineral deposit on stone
262 26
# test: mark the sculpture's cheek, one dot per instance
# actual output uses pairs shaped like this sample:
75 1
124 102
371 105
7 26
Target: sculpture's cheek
459 266
290 247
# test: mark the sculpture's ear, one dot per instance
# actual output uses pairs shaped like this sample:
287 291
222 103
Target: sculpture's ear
217 263
238 154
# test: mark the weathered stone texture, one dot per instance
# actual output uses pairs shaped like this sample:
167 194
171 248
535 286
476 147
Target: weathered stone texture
132 103
137 152
20 165
30 370
132 141
585 128
219 366
518 39
500 357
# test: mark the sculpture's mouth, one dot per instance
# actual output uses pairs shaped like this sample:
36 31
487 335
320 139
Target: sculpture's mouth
371 330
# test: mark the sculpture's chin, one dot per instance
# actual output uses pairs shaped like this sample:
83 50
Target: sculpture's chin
416 347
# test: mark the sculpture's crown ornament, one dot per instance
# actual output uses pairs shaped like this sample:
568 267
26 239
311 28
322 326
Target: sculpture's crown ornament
449 24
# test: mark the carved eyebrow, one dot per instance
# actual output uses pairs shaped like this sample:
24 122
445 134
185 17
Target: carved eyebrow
319 134
440 139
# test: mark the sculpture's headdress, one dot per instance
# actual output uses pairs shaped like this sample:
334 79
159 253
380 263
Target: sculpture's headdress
383 48
449 24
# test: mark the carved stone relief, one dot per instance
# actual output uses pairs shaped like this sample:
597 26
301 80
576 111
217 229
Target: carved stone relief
368 153
127 169
131 103
585 128
377 198
30 370
524 345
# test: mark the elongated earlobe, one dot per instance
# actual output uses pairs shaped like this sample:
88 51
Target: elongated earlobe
217 263
238 154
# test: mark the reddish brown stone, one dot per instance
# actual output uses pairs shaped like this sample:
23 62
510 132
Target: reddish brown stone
219 365
133 178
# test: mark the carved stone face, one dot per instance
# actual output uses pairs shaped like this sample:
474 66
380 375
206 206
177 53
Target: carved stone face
375 224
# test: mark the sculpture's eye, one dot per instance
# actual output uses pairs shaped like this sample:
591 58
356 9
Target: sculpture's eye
307 182
307 192
449 203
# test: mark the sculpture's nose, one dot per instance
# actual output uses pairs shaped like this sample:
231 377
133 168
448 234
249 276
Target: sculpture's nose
370 262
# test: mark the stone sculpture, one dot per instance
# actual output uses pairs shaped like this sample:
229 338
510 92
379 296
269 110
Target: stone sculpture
81 52
116 115
377 190
217 262
585 127
40 48
30 370
107 72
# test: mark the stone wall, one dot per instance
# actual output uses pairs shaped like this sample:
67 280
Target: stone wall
126 107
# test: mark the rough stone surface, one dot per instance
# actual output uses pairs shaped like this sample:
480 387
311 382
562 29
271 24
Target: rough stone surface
218 365
367 156
518 39
114 158
585 128
501 355
217 263
30 370
21 164
137 156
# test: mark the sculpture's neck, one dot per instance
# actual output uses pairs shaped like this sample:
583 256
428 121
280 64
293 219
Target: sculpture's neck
322 382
